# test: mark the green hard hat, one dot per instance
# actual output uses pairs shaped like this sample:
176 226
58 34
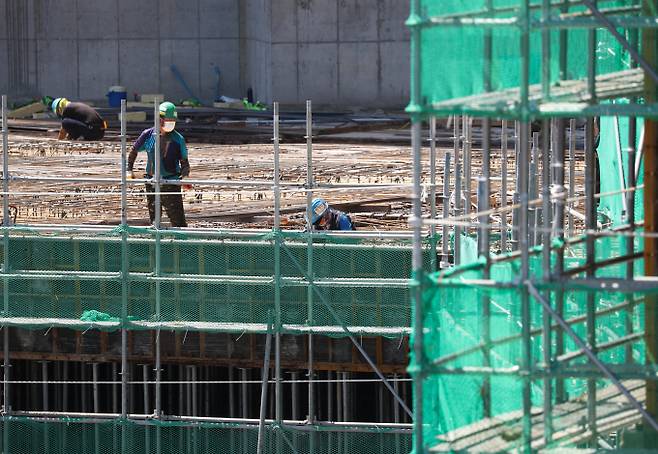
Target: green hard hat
168 111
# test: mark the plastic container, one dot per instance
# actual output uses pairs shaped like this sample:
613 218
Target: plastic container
115 95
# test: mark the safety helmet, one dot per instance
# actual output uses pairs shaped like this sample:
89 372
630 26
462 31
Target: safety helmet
318 208
58 105
168 111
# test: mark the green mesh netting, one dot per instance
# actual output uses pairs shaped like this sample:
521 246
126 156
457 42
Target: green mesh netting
453 63
79 436
207 283
454 322
613 147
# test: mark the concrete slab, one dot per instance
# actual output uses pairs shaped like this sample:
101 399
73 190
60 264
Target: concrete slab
317 20
318 72
284 21
219 19
358 73
138 19
56 79
56 19
394 89
185 55
393 14
357 20
179 19
139 67
98 19
284 73
99 67
224 53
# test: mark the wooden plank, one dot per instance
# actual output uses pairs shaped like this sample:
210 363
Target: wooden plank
27 111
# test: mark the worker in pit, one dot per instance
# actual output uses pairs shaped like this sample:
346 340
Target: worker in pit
174 164
323 217
78 120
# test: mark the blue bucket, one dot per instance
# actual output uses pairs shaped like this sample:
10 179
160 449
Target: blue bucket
115 95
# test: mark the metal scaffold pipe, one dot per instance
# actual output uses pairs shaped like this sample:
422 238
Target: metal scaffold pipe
6 404
433 240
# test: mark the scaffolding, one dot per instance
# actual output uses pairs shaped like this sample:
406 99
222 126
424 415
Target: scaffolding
149 289
537 330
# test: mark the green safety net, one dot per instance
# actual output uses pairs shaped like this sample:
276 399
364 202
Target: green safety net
613 160
86 436
207 282
453 321
453 61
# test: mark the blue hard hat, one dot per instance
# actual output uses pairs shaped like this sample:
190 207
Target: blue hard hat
56 103
318 208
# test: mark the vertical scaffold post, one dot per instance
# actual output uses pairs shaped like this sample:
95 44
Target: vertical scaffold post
516 198
158 271
503 186
590 261
522 164
650 146
468 175
558 231
264 383
124 280
433 241
417 367
310 183
525 300
278 403
445 235
532 188
483 251
458 200
572 173
547 134
5 269
630 220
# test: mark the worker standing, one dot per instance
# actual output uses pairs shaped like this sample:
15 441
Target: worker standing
78 120
174 164
323 217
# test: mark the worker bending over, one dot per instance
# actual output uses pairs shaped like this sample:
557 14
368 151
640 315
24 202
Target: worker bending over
323 217
174 164
78 120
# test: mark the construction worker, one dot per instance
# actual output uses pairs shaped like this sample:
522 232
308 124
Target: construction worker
78 120
323 217
174 164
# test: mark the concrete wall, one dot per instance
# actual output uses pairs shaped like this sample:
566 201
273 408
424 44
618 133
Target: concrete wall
340 52
345 52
